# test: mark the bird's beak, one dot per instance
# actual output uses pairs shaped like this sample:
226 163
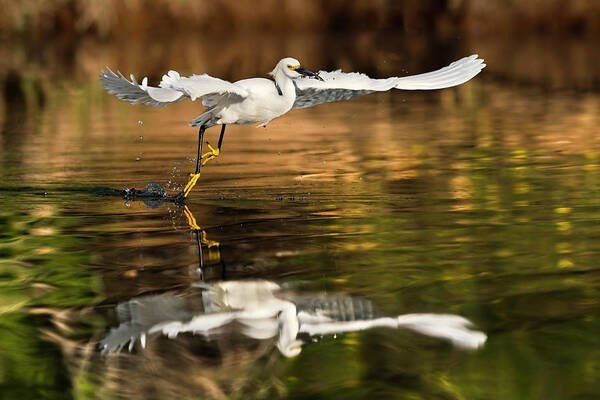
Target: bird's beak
306 72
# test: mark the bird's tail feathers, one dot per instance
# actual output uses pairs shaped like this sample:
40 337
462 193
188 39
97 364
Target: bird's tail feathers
207 119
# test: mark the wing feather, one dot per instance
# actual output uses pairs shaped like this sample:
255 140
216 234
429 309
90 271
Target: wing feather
454 74
337 85
172 88
134 93
203 86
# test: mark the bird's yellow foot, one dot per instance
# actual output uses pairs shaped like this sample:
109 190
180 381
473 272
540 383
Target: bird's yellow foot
190 185
212 154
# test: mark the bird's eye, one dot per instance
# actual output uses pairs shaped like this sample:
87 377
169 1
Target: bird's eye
290 66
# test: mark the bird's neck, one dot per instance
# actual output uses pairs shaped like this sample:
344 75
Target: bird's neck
285 83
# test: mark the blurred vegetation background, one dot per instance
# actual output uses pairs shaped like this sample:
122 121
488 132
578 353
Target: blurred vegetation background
36 19
548 43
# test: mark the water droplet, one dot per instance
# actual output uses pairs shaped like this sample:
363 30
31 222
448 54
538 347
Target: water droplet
137 159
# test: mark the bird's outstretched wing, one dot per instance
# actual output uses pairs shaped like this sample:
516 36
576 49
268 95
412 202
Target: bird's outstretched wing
172 88
338 85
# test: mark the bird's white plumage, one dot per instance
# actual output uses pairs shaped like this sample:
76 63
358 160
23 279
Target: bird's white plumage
162 95
454 74
345 80
261 100
198 86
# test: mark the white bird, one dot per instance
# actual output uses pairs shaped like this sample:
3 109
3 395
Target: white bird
260 100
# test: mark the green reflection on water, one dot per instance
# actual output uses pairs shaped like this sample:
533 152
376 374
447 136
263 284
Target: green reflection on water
44 277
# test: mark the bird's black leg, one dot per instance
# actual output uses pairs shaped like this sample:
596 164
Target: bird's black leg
194 177
221 136
199 158
200 258
214 153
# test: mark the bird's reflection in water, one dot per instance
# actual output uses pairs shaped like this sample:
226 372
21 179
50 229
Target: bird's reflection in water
261 309
214 251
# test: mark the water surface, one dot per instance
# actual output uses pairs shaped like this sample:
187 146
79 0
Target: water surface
479 201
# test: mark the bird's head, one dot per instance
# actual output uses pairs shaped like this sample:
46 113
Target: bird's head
292 69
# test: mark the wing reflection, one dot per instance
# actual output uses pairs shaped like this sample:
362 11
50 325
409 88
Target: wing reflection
263 309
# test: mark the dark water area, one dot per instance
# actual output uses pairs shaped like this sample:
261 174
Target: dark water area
480 201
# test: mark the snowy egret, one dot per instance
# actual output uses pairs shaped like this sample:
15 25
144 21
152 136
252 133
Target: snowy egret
260 100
